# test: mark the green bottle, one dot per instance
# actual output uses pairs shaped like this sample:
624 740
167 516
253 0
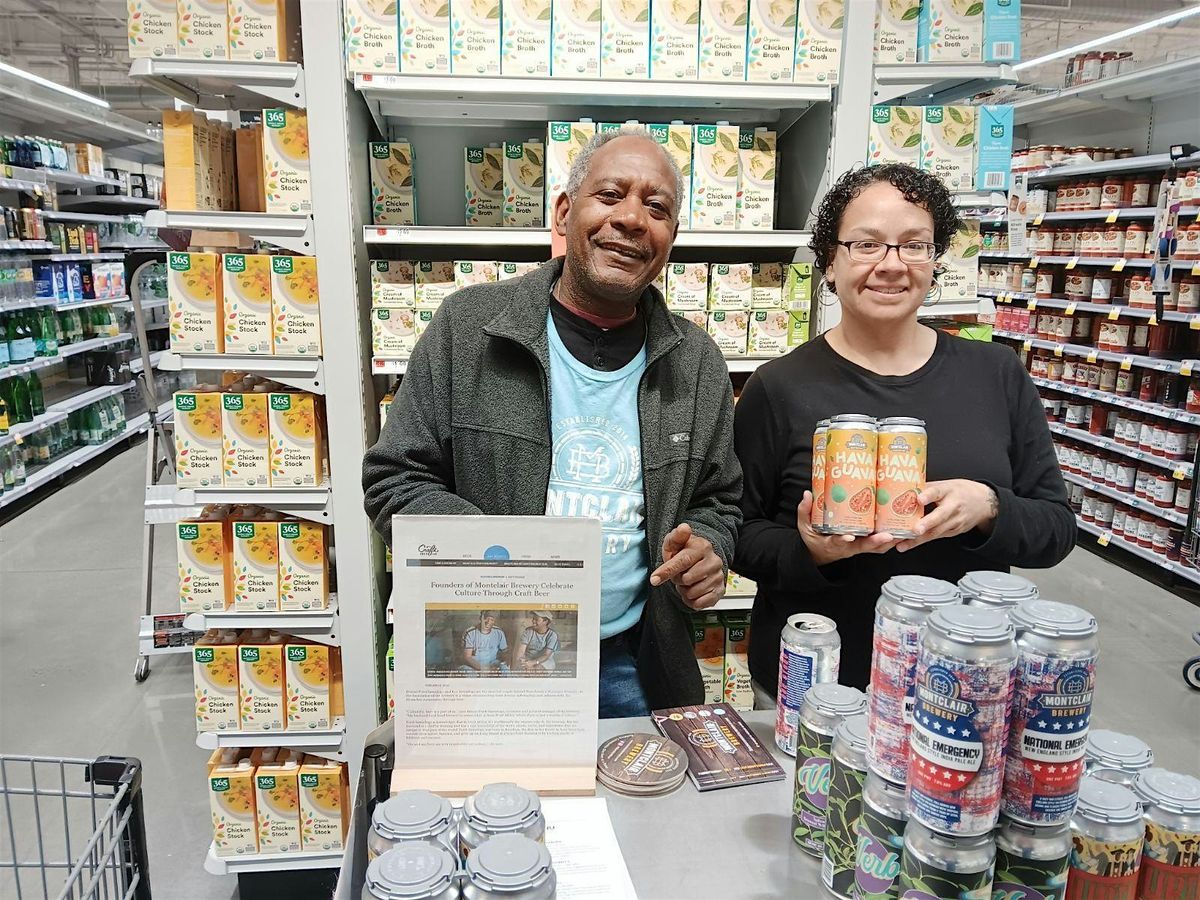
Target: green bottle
37 401
49 331
20 341
3 416
22 409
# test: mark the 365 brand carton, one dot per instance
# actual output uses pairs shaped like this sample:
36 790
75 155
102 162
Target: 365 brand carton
263 30
277 802
723 40
715 177
818 41
393 283
738 691
687 286
766 286
625 42
215 673
674 40
435 282
285 161
708 636
1001 30
524 184
153 29
255 566
797 287
260 674
756 179
194 302
576 47
392 200
424 36
948 145
960 278
771 41
295 304
993 147
526 38
895 135
393 332
296 441
896 31
950 31
246 451
198 432
232 802
323 805
474 271
564 140
303 566
798 324
309 678
246 293
422 320
676 137
768 332
204 565
484 186
515 269
730 285
729 329
475 37
203 28
372 36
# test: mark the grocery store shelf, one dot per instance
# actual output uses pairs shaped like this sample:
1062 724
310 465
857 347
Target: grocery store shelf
1153 409
77 179
1105 443
107 201
934 83
304 372
1156 162
41 362
135 364
217 84
1151 84
732 604
381 366
277 862
290 231
132 247
66 215
57 412
24 245
95 301
981 306
16 178
1133 312
81 257
324 742
1177 367
1168 514
1105 261
1108 539
165 502
60 307
462 236
318 625
1084 215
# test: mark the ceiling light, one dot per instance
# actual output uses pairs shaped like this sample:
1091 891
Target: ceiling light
1109 38
46 83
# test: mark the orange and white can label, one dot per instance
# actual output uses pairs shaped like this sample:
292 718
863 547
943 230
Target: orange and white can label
816 516
899 479
850 449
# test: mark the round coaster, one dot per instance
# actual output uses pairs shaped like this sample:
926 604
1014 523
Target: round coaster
630 791
641 763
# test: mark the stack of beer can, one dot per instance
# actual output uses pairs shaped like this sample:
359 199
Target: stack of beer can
641 765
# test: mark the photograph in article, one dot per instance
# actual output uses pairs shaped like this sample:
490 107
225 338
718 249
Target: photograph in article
501 641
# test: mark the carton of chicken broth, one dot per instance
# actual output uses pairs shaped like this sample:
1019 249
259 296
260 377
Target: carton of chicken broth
372 36
895 135
203 29
194 297
948 145
484 186
960 278
676 139
564 141
674 39
526 38
625 43
576 45
756 179
475 37
246 280
392 201
152 29
896 31
715 177
950 31
524 184
771 45
424 36
723 40
818 41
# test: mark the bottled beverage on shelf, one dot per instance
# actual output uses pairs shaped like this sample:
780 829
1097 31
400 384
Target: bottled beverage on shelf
19 339
21 410
37 402
45 336
3 416
4 358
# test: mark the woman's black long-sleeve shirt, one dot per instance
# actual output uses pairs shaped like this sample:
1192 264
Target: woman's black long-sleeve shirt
985 423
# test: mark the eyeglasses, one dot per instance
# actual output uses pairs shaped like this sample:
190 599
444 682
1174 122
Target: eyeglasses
912 252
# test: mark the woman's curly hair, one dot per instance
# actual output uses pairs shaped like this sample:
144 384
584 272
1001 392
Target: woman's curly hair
922 188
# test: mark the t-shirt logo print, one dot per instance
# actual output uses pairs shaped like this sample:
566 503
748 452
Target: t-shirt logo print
588 465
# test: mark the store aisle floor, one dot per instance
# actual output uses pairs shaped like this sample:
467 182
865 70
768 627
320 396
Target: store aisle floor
69 602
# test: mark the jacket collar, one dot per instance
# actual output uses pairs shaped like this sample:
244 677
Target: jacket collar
524 319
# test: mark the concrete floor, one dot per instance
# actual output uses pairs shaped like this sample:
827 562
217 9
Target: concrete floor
69 602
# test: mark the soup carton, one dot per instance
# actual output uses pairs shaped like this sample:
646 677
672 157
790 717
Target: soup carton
323 805
524 184
435 282
422 320
766 286
393 332
475 37
468 272
676 137
215 672
255 566
730 286
674 40
277 803
526 39
303 566
564 141
485 186
264 30
295 305
715 177
797 328
576 47
723 40
948 145
950 31
768 332
895 135
737 691
296 445
194 298
204 551
697 317
246 450
818 41
771 43
260 673
153 29
393 283
625 44
960 276
232 801
756 179
285 161
729 329
660 282
993 147
687 286
1001 30
309 680
424 37
198 438
389 676
708 638
797 287
372 36
896 31
392 198
739 585
203 29
515 269
246 295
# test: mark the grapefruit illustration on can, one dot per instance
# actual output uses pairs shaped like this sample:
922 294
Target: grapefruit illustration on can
850 459
900 475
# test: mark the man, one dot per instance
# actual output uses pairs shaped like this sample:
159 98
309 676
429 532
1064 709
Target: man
573 391
482 646
539 642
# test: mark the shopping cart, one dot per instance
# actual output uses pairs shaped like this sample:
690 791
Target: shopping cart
74 829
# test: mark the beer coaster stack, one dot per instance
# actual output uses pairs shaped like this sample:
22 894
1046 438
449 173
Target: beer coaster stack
641 765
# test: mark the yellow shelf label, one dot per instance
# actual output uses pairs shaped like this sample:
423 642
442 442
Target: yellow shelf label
1058 349
1103 539
1119 265
1037 220
1070 311
1185 368
1127 364
1113 216
1194 323
1114 314
1028 345
1033 261
1153 320
1180 475
1093 356
1073 263
1196 268
1032 304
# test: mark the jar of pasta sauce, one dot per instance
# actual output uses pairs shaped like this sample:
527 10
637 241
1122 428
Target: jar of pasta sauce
1140 197
1091 240
1188 246
1118 522
1139 337
1114 240
1028 284
1183 496
1140 290
1161 341
1079 285
1125 383
1175 441
1188 298
1136 237
1044 286
1108 377
1112 192
1147 385
1043 240
1102 284
1066 241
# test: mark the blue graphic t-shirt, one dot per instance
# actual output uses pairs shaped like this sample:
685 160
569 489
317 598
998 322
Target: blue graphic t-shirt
596 471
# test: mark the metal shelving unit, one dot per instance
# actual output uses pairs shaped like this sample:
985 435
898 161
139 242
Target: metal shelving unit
303 372
1184 469
279 862
1147 85
222 84
1106 538
42 362
1154 409
1091 354
461 236
322 742
1031 301
1155 162
317 625
291 232
1169 515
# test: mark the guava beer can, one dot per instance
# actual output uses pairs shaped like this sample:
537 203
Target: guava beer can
1107 835
900 475
880 839
1112 756
945 867
847 771
825 706
850 452
1031 860
904 604
1051 710
1171 855
960 720
810 652
816 516
998 590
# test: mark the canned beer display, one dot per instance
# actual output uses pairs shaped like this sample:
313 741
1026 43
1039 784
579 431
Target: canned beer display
414 872
997 590
851 443
847 772
501 808
880 839
810 653
412 816
900 475
946 866
1107 836
1112 756
1171 853
1031 860
825 707
509 867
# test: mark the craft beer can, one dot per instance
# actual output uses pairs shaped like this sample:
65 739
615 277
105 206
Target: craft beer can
1051 710
880 839
847 771
999 590
900 475
1107 835
410 816
851 442
960 720
500 808
810 651
945 867
509 867
1031 860
904 604
1112 756
825 707
413 871
1171 855
816 516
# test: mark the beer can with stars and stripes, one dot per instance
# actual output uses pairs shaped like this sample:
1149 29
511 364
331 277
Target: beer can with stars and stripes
1051 711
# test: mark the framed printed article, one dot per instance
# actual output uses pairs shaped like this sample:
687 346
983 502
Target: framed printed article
497 652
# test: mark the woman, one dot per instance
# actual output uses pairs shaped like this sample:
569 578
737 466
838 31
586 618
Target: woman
995 497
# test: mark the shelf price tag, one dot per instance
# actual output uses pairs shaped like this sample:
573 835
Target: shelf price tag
1194 323
1196 268
1113 216
1032 304
1028 345
1114 314
1058 349
1033 261
1119 265
1074 261
1037 220
1185 368
1180 474
1103 539
1093 356
1127 364
1070 310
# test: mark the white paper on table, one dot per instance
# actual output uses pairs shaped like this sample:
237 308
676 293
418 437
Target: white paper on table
583 846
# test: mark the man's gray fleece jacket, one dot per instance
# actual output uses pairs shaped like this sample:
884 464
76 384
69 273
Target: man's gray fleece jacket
469 433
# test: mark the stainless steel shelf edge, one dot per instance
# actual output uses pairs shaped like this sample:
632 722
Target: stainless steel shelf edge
430 235
1166 514
1106 443
291 232
282 862
325 742
1133 403
43 362
320 625
1151 163
1154 82
936 83
305 373
1111 540
221 84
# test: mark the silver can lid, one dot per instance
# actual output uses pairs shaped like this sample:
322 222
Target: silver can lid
997 588
852 732
823 423
1113 750
504 806
901 420
1169 790
1102 801
971 624
509 863
832 699
411 872
920 591
1053 619
410 814
812 623
852 419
